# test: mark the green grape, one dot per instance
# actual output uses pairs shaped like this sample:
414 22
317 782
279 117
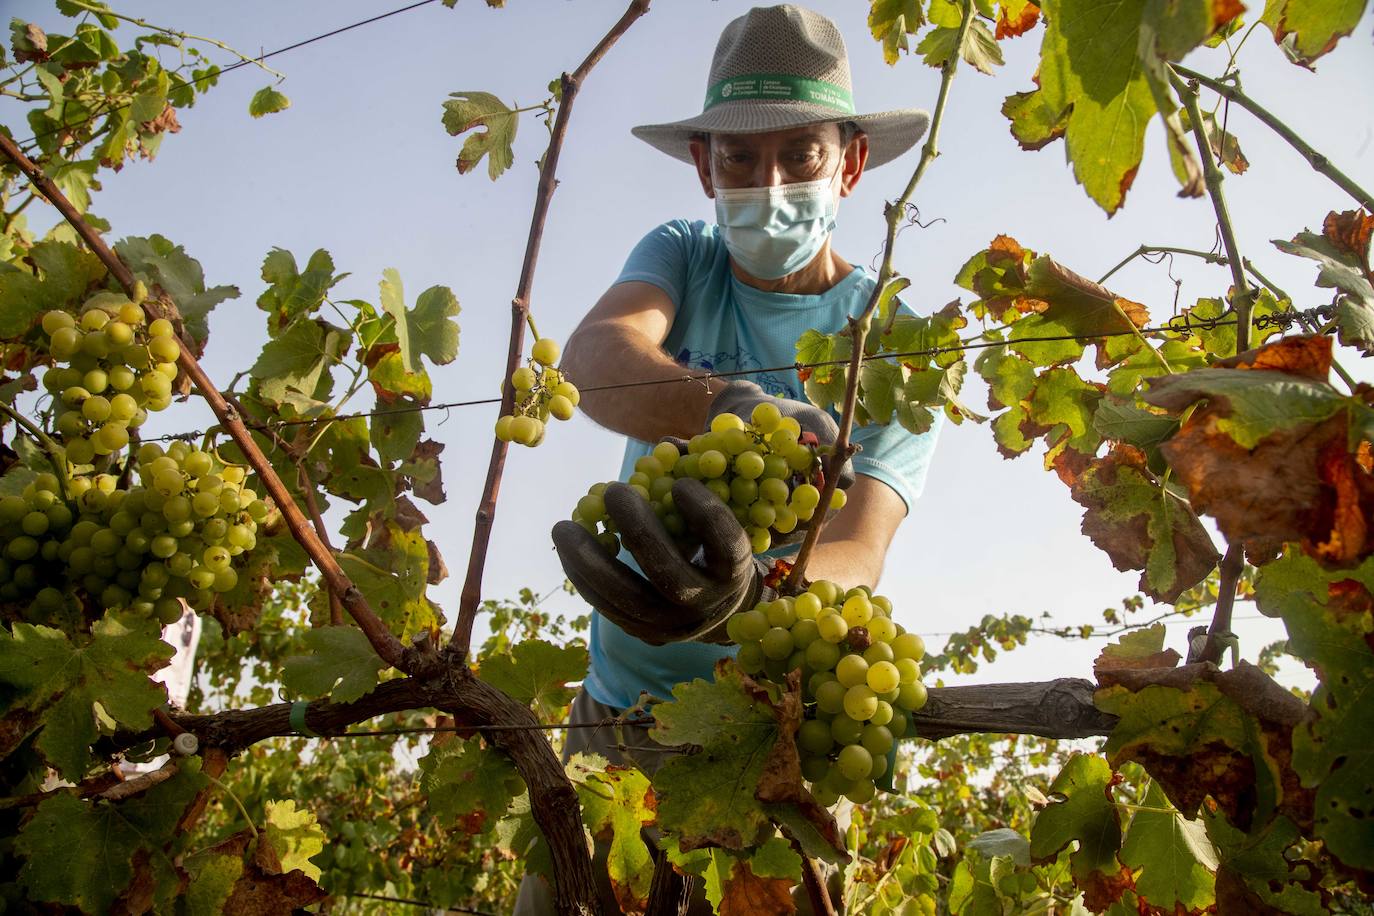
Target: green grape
828 592
759 539
752 625
180 564
882 629
852 670
883 714
908 670
796 661
780 613
228 500
96 344
815 680
857 610
807 606
666 454
814 768
711 464
201 577
877 651
832 627
814 737
119 333
860 702
822 654
59 516
804 633
897 724
775 468
164 349
176 508
777 643
123 408
838 499
65 343
94 319
749 465
735 441
743 492
648 464
95 381
55 320
854 762
912 697
829 696
766 416
36 524
720 488
883 603
225 579
197 463
877 740
762 514
845 729
168 611
105 541
156 387
182 528
168 481
660 488
112 436
825 796
641 480
909 645
751 658
774 491
205 504
864 792
155 575
162 546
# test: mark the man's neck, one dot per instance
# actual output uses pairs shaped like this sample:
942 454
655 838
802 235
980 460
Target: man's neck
824 271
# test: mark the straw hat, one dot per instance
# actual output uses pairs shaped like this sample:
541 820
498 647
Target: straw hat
780 67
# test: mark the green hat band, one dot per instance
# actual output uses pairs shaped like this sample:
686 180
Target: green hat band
780 86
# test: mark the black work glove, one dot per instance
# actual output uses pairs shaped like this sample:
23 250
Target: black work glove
675 599
740 398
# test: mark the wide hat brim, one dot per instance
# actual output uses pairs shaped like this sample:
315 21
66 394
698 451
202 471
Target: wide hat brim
890 133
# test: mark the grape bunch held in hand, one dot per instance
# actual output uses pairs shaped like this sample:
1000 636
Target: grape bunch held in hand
759 469
861 678
541 391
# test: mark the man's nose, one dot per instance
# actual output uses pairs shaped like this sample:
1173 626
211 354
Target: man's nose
768 172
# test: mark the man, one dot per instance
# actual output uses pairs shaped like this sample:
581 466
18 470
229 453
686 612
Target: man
777 145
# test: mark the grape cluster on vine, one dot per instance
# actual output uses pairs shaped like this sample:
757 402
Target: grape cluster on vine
861 677
759 468
88 541
541 391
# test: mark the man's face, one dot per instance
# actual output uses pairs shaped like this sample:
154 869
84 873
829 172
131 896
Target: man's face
777 157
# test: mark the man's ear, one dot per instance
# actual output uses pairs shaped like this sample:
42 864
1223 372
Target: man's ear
701 156
855 158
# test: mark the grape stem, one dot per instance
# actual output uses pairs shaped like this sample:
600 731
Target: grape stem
386 644
51 450
859 327
471 596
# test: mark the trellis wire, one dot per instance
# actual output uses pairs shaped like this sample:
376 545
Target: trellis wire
1180 324
240 63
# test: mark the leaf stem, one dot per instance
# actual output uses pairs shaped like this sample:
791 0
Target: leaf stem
471 597
1213 177
1232 91
55 454
183 36
239 804
859 327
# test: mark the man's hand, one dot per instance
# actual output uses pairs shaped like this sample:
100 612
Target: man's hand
741 397
675 599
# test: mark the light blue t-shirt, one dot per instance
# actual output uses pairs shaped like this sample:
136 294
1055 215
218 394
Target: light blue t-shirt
725 325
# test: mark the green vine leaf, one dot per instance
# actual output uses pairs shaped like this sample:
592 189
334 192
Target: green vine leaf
341 665
265 101
891 21
707 799
293 293
161 264
69 844
1087 814
1176 862
1307 29
468 110
294 836
428 328
617 804
537 672
60 681
469 783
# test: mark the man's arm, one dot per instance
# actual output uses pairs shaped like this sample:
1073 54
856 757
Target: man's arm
855 542
620 341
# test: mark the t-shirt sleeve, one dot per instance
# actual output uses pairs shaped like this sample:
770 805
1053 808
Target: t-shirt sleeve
662 258
896 457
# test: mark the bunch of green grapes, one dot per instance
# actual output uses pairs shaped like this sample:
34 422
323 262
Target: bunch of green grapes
144 548
541 391
759 469
111 371
861 677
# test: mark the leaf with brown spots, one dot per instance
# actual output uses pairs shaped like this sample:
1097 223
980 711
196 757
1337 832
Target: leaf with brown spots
1350 231
1015 17
746 894
1140 525
1082 809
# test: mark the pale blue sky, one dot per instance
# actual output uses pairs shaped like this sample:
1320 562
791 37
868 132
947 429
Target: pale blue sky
360 165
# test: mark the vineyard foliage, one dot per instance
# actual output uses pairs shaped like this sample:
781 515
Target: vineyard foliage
1216 790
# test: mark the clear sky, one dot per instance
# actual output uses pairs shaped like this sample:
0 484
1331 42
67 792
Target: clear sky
361 166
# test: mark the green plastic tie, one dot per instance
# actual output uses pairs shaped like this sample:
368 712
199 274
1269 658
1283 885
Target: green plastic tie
298 709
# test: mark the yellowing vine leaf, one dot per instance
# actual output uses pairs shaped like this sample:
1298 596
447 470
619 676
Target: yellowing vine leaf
891 21
468 110
1307 29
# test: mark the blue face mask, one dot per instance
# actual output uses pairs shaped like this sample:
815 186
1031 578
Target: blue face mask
774 231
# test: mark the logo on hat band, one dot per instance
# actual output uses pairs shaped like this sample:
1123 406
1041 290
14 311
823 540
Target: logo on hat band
780 86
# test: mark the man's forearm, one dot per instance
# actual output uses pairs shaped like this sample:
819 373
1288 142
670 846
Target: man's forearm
606 354
846 562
